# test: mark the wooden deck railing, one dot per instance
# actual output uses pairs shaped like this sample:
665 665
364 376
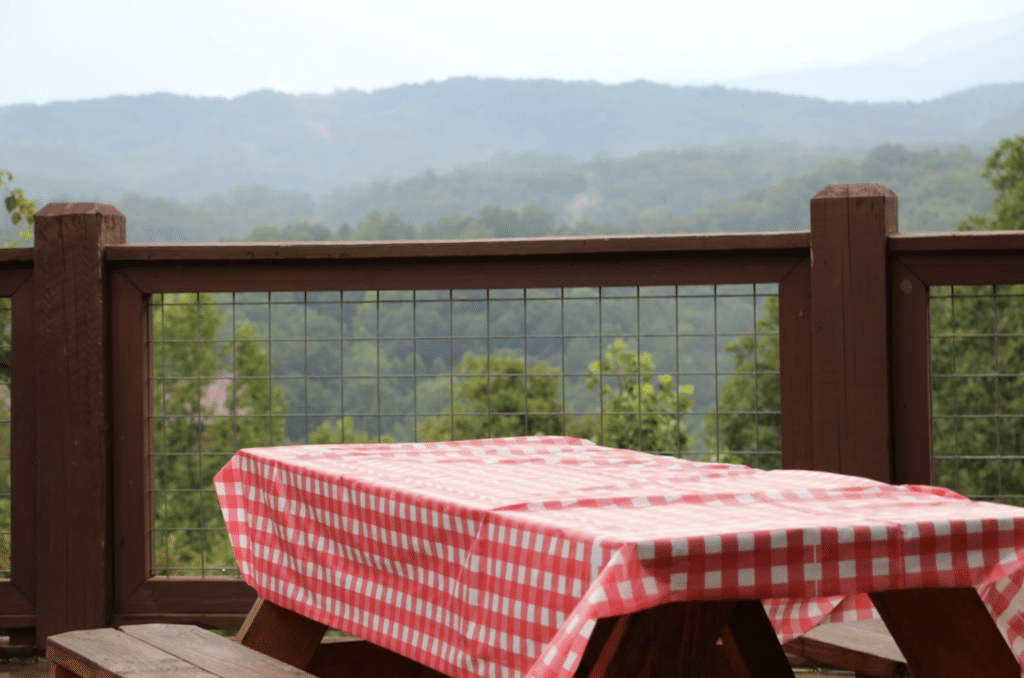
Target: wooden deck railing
854 338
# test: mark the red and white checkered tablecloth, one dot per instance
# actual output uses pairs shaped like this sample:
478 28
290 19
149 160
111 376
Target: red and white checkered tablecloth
495 558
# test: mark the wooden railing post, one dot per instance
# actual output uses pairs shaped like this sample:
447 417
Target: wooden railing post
72 377
850 225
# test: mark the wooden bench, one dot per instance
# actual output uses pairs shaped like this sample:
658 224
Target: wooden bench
864 647
166 650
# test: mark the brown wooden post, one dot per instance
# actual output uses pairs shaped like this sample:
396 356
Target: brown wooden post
850 225
911 378
72 378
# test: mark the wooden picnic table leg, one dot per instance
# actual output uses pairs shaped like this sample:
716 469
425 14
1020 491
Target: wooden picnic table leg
751 645
668 641
281 634
946 633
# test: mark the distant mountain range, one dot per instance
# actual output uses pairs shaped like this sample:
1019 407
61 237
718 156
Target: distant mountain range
946 62
188 148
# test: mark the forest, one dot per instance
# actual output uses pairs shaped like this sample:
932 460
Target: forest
684 191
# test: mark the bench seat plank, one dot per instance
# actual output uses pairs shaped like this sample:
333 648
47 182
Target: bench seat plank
863 646
213 653
108 653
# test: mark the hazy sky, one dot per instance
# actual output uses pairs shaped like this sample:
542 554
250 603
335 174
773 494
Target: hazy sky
78 49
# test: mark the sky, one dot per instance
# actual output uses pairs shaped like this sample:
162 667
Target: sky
55 50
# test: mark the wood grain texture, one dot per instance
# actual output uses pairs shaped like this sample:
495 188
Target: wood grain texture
509 272
864 647
14 603
617 244
850 225
911 378
12 278
946 633
204 620
355 658
23 445
668 641
966 268
961 241
131 409
72 432
108 653
211 652
751 645
795 376
281 633
14 256
188 595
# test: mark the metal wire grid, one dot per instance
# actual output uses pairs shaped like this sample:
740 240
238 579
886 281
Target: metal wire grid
246 369
5 438
977 343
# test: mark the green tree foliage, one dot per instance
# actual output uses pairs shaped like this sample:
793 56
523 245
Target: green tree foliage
977 362
343 431
500 397
688 191
747 420
640 410
1005 171
497 397
977 380
20 208
197 426
978 359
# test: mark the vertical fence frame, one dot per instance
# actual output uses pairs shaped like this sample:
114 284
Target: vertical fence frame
919 262
143 270
18 596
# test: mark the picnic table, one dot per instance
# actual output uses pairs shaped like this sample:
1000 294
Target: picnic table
555 557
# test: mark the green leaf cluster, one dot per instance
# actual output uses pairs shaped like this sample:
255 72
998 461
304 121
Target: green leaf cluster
210 398
499 396
20 208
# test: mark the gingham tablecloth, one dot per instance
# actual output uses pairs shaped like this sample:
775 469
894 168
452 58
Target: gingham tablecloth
495 558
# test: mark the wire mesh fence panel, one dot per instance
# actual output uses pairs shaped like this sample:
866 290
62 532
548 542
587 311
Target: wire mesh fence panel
690 371
977 345
5 438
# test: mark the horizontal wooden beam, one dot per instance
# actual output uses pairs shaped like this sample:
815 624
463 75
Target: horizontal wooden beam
432 249
510 272
12 278
162 596
966 241
966 268
17 255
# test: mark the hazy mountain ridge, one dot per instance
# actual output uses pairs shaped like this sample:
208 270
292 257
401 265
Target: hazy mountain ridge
692 191
187 148
957 59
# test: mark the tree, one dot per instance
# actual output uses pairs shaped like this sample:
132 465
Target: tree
343 431
1005 171
977 362
637 411
210 399
497 397
20 208
748 417
978 359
